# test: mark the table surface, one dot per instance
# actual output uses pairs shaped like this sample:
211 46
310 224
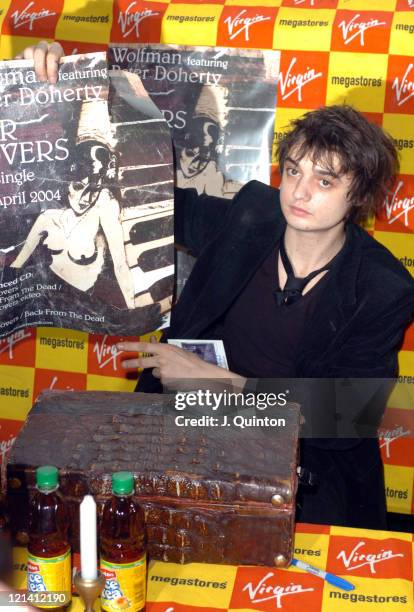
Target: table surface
378 563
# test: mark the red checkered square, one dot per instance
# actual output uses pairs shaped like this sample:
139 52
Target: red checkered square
367 31
369 558
397 214
19 348
50 379
104 359
267 589
303 79
399 93
248 27
36 18
138 21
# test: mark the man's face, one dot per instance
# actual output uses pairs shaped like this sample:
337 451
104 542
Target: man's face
312 196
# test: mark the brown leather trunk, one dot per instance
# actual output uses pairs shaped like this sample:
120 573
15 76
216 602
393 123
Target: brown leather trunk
214 494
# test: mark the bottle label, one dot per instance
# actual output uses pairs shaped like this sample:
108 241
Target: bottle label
125 585
50 575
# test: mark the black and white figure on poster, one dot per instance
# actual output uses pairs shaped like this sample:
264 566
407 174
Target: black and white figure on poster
78 237
198 153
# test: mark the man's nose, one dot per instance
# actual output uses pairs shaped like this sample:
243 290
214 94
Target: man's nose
302 190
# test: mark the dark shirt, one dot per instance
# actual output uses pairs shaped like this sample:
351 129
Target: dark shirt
261 338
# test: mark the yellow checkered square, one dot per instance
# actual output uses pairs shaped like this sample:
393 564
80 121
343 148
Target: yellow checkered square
303 29
109 383
399 488
359 81
62 349
16 391
402 34
401 128
186 24
85 21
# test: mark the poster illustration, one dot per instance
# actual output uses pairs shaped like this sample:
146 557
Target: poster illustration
220 106
86 206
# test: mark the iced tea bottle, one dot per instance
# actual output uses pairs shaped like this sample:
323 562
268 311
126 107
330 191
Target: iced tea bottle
123 548
49 579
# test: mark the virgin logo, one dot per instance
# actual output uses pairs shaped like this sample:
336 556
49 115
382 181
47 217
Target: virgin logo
130 21
263 591
388 436
240 23
397 207
404 90
354 28
106 353
24 17
291 83
357 558
7 344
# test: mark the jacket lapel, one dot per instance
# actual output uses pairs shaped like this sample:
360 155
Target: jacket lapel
335 307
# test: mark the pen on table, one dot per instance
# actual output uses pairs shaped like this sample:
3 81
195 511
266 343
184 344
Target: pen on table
341 583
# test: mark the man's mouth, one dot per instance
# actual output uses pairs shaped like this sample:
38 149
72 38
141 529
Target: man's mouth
300 212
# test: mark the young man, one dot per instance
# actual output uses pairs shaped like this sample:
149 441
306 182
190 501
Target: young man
295 289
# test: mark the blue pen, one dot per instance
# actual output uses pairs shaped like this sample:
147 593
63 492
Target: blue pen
331 578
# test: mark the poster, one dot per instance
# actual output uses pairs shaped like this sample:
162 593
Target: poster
220 106
86 206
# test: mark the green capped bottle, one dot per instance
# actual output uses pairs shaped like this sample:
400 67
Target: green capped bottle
123 548
49 579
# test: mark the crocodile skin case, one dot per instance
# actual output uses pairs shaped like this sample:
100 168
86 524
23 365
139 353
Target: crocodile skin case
213 493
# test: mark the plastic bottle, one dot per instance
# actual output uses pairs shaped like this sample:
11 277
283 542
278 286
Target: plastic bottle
49 577
123 548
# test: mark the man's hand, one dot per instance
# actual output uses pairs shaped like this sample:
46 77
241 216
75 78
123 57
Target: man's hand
46 59
171 363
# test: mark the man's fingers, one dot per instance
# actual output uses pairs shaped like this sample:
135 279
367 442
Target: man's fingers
130 364
45 58
52 61
148 362
39 58
142 362
27 53
140 347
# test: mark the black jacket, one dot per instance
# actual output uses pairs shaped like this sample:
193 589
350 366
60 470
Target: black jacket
355 331
363 311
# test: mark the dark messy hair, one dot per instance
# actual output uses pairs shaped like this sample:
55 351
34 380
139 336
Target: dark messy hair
363 149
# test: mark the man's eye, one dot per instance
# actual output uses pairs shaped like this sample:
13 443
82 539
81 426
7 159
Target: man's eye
325 183
291 171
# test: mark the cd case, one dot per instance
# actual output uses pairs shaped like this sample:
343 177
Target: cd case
211 351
